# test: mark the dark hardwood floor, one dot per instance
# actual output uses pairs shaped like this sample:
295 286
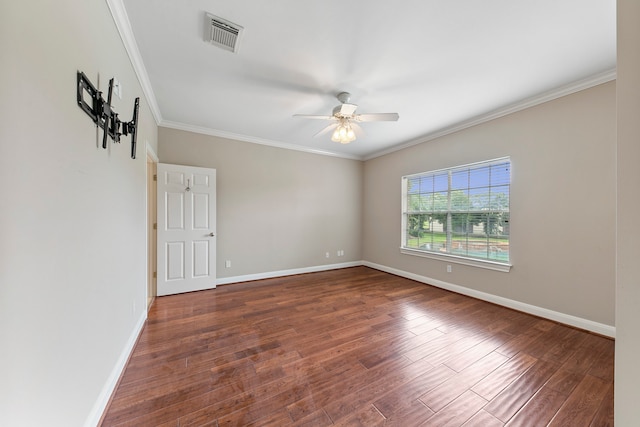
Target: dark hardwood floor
358 347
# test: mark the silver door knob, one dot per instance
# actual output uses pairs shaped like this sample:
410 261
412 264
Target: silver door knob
211 234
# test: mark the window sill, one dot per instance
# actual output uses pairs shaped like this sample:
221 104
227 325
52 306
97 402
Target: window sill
490 265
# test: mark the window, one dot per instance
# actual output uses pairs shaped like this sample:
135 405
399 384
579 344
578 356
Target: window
460 214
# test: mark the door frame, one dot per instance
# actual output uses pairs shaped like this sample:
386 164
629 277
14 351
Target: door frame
152 221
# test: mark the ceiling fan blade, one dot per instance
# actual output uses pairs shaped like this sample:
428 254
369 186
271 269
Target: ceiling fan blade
377 117
327 129
311 116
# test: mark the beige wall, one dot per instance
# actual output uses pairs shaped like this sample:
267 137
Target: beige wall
72 215
627 379
563 158
562 203
277 209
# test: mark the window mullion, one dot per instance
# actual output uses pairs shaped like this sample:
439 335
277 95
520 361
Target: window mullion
449 219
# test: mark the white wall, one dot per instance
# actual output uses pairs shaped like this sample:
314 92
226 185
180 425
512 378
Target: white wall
627 378
72 215
278 209
562 204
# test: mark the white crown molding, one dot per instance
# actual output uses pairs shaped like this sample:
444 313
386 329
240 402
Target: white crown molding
567 319
252 139
565 90
121 19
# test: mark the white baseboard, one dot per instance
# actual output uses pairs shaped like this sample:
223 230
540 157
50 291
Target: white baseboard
107 390
103 399
281 273
567 319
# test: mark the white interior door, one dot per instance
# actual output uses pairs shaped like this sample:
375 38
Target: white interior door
186 229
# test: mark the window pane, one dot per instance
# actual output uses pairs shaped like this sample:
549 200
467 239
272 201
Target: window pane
460 200
413 185
413 202
441 182
479 177
498 250
438 224
479 199
426 241
498 224
441 202
459 222
504 224
426 202
499 198
500 174
477 248
460 179
459 244
426 184
417 226
477 222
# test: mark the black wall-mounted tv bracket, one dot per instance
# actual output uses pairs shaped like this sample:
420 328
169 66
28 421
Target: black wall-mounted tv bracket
103 114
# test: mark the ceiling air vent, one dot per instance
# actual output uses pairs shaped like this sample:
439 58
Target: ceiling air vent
222 33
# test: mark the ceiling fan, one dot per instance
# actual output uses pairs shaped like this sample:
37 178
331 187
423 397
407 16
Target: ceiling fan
345 120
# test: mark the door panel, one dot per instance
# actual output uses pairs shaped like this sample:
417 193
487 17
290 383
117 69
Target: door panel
186 228
175 260
201 211
175 211
201 258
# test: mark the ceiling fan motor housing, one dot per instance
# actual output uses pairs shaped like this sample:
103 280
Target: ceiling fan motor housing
344 97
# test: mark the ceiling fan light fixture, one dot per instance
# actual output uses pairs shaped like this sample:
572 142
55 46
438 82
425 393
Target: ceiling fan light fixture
342 117
335 137
351 134
343 133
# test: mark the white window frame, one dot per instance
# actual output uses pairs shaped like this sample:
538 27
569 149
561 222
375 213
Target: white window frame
450 257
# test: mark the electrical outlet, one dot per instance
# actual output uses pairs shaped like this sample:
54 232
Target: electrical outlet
448 268
227 264
326 255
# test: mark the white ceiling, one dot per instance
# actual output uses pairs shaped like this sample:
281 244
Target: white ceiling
440 64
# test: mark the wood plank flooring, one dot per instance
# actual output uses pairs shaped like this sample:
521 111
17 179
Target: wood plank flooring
358 347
